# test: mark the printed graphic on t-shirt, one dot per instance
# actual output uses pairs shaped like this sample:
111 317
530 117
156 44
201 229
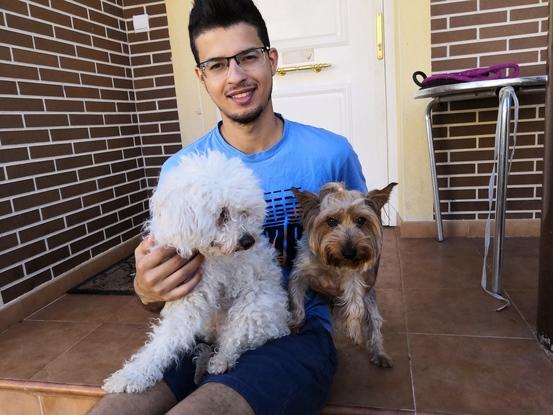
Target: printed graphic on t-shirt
282 224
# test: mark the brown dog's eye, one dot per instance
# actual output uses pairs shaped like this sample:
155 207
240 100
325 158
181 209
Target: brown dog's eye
332 222
223 217
360 221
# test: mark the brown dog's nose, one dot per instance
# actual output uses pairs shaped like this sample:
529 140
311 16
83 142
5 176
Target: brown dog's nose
246 241
349 251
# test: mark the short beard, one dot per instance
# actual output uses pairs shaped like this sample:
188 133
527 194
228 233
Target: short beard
247 118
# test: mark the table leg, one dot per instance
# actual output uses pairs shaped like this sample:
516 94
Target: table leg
501 193
437 210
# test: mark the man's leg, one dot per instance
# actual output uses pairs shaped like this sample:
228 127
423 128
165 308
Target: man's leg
155 401
214 399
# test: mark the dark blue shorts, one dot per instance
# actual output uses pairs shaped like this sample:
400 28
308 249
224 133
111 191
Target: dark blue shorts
291 375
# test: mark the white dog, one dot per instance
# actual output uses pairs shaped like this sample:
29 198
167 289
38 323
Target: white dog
212 205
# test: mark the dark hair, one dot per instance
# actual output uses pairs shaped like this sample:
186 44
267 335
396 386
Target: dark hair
210 14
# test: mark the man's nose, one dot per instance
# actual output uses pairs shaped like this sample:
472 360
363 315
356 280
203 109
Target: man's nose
235 72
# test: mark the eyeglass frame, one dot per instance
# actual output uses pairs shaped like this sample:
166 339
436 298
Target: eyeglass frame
201 65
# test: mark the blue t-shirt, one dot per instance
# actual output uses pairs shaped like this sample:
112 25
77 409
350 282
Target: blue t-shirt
305 157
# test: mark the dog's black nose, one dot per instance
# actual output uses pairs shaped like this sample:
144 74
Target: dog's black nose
349 251
246 241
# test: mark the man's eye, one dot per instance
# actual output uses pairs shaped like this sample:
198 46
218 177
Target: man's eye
251 57
216 66
332 222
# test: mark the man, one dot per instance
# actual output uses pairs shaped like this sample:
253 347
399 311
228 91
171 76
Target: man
291 375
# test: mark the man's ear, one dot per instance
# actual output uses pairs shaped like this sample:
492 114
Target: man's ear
199 74
272 53
379 197
308 202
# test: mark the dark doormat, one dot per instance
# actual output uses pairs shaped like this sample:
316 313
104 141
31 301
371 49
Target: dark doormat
116 280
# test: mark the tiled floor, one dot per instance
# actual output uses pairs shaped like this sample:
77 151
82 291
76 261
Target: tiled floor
453 353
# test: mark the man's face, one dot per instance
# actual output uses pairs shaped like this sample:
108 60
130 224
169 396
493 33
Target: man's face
241 95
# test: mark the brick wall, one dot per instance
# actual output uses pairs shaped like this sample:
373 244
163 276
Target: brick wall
472 33
87 116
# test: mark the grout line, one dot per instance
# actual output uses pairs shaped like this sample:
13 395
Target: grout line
471 336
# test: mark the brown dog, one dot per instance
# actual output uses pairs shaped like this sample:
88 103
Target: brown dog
338 256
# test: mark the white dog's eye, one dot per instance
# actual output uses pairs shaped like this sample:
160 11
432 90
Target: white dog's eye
223 217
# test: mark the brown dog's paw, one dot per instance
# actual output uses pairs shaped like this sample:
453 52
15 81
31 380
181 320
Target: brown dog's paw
382 360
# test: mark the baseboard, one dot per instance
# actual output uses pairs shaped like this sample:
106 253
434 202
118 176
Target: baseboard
468 228
43 295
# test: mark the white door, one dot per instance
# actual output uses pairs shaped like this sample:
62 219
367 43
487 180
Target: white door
348 97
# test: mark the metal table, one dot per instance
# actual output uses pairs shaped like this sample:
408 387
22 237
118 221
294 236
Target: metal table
475 90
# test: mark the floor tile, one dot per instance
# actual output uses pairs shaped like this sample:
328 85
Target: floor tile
99 354
441 271
520 272
480 376
389 272
462 312
28 346
70 405
359 383
134 312
527 302
390 304
83 307
426 247
519 247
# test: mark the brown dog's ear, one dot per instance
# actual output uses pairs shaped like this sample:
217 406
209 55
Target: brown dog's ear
309 203
378 198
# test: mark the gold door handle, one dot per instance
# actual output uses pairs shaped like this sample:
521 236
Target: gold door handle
317 67
379 36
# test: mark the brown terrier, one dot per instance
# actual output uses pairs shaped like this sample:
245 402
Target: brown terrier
338 256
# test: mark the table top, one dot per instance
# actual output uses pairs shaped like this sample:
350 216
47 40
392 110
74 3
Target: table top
480 86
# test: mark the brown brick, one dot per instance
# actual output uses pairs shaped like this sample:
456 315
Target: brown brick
70 263
61 208
141 60
5 207
41 230
50 16
125 107
516 29
89 27
127 188
123 165
28 25
471 155
87 242
453 36
47 260
519 57
149 47
146 106
15 291
69 133
165 81
103 43
89 146
438 24
13 188
54 75
22 252
108 156
454 64
45 120
11 275
19 221
40 89
114 94
122 83
471 130
85 119
55 46
501 4
97 132
16 6
64 105
95 171
111 181
93 54
8 88
8 155
117 119
159 34
96 80
528 42
453 169
73 36
152 70
101 222
111 70
112 9
15 38
478 47
30 169
117 35
21 104
156 9
55 180
52 150
533 70
70 8
77 64
5 54
18 71
119 59
36 199
82 216
35 57
100 106
104 19
81 92
529 13
8 241
161 21
478 19
78 189
66 236
73 162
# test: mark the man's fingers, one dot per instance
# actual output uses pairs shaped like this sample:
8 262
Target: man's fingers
184 289
181 274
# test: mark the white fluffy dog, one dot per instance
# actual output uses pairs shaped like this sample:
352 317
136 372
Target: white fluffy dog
212 205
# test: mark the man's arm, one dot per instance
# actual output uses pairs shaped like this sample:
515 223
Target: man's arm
162 275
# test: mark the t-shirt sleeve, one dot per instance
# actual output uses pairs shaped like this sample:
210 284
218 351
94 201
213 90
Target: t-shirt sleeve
352 173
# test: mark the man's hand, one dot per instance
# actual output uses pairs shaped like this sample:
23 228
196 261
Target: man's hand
326 286
162 275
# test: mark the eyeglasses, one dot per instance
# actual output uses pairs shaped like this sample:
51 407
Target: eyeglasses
248 59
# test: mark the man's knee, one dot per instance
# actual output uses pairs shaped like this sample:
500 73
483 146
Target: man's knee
213 398
157 400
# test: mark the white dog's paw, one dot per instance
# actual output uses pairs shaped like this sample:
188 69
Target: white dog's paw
119 382
218 364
